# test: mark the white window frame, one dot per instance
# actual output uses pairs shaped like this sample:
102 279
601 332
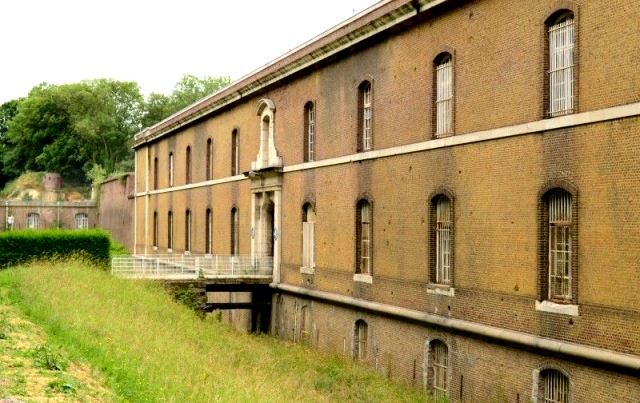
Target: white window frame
561 42
560 248
443 234
235 234
187 231
308 240
364 221
170 169
311 129
235 152
82 221
209 231
440 367
444 97
367 118
360 339
551 386
33 220
170 231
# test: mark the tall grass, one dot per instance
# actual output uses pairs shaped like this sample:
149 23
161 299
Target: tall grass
151 349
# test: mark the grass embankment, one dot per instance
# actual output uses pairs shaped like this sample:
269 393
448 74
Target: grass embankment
153 349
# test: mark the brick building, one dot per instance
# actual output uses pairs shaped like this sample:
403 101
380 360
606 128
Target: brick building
449 190
116 208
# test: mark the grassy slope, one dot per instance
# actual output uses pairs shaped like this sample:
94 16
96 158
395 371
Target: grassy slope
152 349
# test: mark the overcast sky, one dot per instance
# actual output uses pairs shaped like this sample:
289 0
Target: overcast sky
152 42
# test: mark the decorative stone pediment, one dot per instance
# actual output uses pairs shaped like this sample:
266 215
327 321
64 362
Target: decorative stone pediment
268 154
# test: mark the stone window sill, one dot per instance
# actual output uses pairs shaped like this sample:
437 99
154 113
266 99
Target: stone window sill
440 289
307 270
552 307
363 278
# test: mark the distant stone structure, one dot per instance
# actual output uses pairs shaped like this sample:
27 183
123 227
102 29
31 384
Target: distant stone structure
116 208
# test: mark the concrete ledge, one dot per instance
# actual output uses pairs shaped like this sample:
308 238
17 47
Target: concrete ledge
363 278
438 289
562 309
307 270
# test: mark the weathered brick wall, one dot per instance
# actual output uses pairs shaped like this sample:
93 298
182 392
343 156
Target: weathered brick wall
116 208
51 214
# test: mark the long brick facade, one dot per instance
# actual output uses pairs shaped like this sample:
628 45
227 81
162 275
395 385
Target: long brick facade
494 257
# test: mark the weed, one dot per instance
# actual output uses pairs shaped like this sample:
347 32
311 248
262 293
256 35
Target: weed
48 358
63 385
5 327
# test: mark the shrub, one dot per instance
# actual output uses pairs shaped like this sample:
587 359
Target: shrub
23 246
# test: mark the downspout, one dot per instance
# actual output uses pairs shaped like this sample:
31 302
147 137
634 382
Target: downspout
575 350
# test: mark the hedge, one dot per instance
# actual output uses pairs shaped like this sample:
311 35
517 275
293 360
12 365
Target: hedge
26 245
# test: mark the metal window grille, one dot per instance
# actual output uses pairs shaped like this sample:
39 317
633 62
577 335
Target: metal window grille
561 67
235 153
171 169
366 118
311 127
555 387
360 342
208 232
560 218
187 231
170 230
440 367
443 241
82 221
33 220
365 238
444 98
155 229
235 241
188 165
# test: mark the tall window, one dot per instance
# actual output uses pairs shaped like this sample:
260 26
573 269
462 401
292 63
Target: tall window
155 229
209 163
208 235
82 221
309 131
33 220
235 152
170 169
560 248
442 240
170 231
553 387
363 237
187 167
561 64
187 231
308 236
365 118
443 65
305 326
438 368
235 236
155 173
360 340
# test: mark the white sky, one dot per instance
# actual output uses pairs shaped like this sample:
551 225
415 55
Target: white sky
152 42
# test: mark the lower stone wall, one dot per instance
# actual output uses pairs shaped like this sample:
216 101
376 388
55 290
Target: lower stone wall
479 370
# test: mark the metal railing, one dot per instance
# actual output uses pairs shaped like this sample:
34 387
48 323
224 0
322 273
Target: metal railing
192 266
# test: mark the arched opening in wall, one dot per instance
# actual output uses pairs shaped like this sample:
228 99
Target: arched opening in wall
187 231
553 386
305 325
308 236
235 237
208 232
170 169
188 165
360 340
82 221
170 231
155 229
437 357
365 117
264 139
363 237
235 152
443 91
309 131
560 64
155 173
209 162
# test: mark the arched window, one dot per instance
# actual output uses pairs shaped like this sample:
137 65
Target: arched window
558 277
235 152
187 167
309 131
305 325
365 117
441 241
363 237
443 90
33 220
208 232
360 335
170 231
561 63
235 235
553 387
155 229
308 236
82 221
209 162
438 369
155 173
170 169
187 231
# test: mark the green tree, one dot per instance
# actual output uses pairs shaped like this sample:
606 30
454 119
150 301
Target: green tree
7 111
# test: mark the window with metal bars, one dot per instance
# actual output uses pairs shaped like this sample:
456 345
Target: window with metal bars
187 231
560 246
360 340
170 230
235 152
553 387
561 75
442 242
33 220
305 334
209 162
438 369
309 131
365 123
443 95
308 236
155 229
187 167
363 237
235 236
82 221
170 169
155 173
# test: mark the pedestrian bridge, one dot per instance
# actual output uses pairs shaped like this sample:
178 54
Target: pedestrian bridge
194 267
